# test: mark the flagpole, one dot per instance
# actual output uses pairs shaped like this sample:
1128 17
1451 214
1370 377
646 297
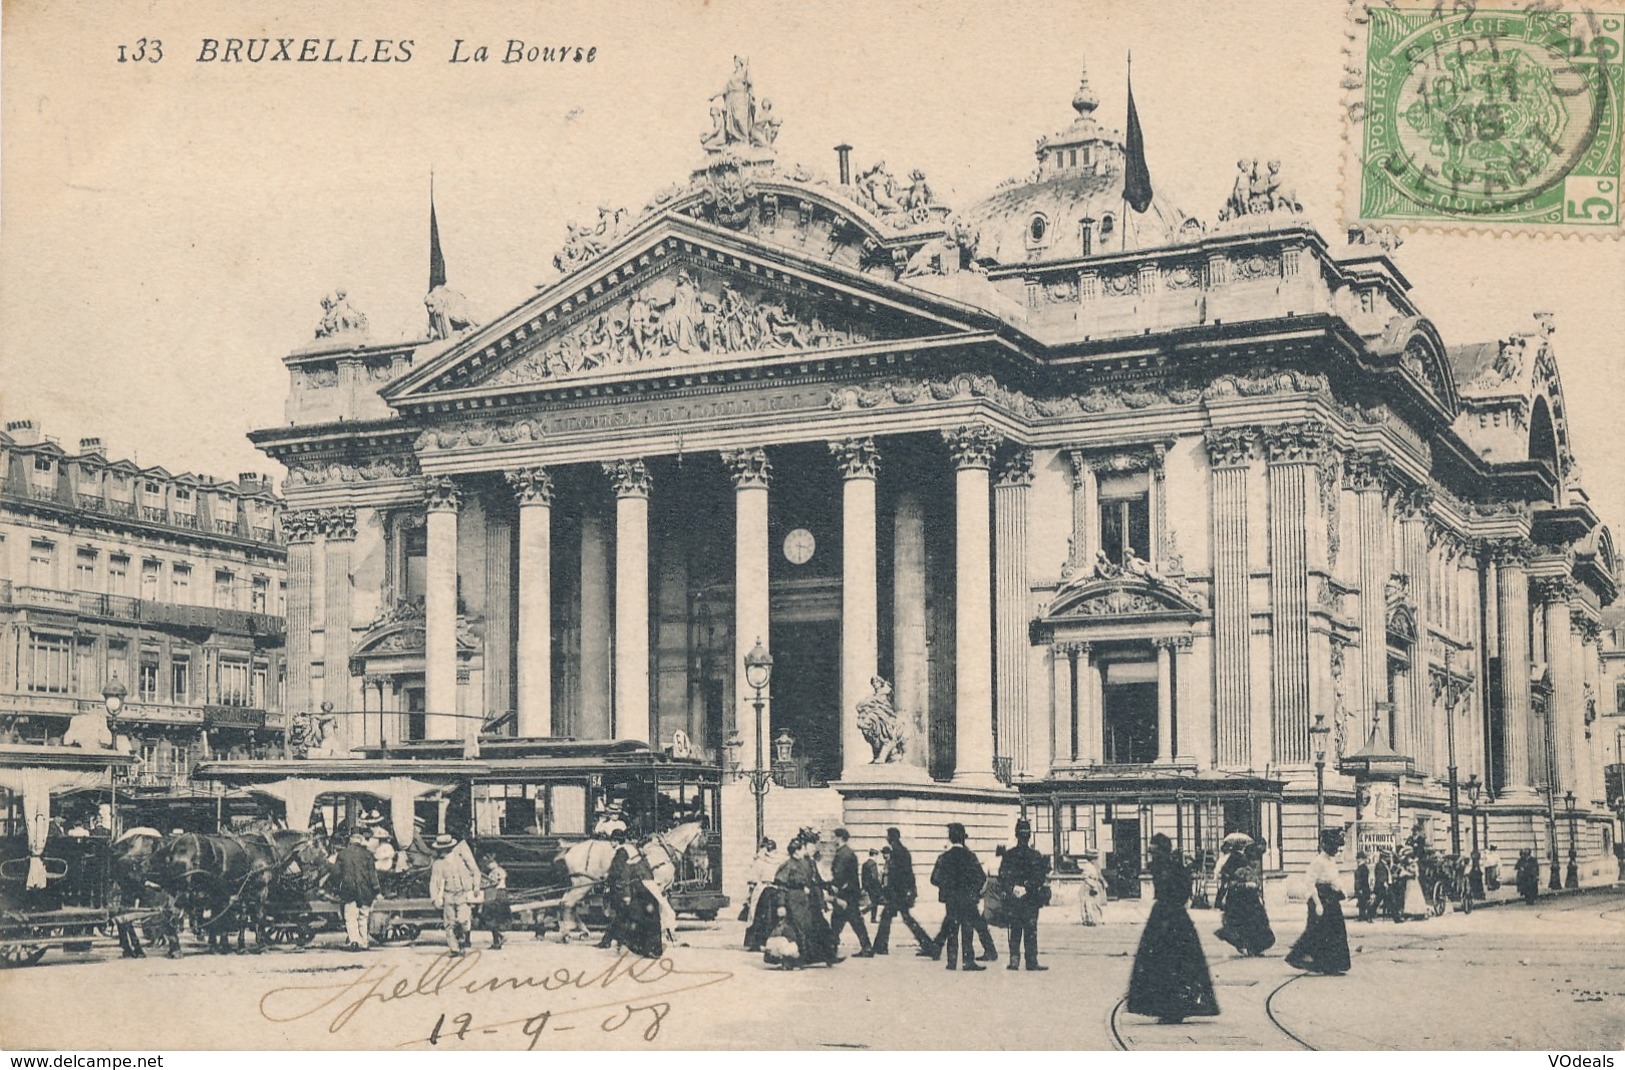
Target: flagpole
1123 237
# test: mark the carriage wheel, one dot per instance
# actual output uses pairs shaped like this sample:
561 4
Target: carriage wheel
12 955
302 935
404 931
1441 901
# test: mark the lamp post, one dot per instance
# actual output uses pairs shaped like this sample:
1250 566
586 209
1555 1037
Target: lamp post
1476 874
113 694
1450 738
1571 878
1319 731
758 671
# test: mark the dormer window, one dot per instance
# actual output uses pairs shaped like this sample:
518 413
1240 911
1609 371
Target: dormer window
182 494
1086 232
151 488
1072 158
42 463
1107 223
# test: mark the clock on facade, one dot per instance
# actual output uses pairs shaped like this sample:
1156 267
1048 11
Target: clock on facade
799 546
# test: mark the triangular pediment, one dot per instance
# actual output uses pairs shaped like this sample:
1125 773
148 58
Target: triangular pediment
684 296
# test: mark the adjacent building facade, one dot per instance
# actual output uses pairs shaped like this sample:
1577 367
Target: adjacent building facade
168 586
1130 520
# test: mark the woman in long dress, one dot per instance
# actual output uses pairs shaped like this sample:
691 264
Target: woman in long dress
1170 980
1413 901
801 900
1246 924
1091 891
1324 945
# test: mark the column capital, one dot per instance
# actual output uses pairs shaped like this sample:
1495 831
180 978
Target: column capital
749 467
1016 467
1071 646
1413 502
1168 642
1231 447
972 445
1303 442
1367 471
1513 550
441 493
530 486
1553 590
1589 627
337 522
629 477
301 525
858 457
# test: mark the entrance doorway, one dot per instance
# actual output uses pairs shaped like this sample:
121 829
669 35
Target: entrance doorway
1123 860
807 696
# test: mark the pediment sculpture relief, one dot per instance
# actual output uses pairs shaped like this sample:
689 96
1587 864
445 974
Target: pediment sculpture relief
690 315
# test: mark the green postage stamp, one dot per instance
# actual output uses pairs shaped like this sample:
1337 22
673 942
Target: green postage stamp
1479 118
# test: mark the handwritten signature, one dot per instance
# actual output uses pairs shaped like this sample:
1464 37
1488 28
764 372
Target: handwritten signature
655 981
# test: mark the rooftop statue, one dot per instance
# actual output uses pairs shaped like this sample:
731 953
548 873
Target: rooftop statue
449 312
1258 192
339 317
735 117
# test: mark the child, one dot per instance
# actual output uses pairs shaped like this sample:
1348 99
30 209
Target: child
495 912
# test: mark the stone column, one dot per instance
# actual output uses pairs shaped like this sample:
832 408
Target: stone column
299 529
497 644
752 473
594 721
1012 591
338 524
440 613
533 491
1063 735
1091 708
860 465
631 482
1078 555
1412 508
911 693
1293 451
1189 723
1588 648
1367 475
1165 701
1230 450
1512 610
972 447
1554 593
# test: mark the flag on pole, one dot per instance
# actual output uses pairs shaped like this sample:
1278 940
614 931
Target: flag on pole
1136 178
437 262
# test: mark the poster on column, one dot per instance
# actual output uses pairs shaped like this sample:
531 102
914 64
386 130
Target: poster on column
727 539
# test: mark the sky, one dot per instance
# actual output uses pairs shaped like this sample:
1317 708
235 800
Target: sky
167 229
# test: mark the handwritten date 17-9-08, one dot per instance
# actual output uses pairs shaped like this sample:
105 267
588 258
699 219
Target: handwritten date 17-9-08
645 1018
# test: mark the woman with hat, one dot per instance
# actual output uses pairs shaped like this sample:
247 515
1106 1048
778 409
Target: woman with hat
1246 924
1091 890
1170 980
801 889
1324 945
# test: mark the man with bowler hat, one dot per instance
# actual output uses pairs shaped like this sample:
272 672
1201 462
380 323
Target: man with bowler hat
1024 873
959 877
847 890
900 892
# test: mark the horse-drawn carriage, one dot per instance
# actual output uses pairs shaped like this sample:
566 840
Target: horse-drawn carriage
55 887
544 809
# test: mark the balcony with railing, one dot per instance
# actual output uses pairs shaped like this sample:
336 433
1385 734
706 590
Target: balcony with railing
139 610
112 507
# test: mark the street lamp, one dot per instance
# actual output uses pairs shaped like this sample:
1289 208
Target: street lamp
1450 737
1476 874
758 671
113 694
1571 878
1320 730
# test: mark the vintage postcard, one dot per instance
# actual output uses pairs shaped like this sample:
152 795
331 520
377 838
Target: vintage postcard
699 525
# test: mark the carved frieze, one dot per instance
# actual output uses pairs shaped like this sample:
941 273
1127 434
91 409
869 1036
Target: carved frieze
317 474
689 316
476 433
749 467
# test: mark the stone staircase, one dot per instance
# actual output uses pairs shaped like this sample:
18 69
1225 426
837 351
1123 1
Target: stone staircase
784 811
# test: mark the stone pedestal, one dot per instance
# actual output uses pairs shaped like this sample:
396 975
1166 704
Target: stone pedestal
921 812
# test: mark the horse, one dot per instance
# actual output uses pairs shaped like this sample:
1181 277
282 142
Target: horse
223 879
588 861
131 861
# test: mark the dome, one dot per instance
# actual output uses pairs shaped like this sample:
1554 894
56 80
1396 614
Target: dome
1072 204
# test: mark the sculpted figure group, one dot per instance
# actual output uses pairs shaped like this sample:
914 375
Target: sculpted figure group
653 324
1259 191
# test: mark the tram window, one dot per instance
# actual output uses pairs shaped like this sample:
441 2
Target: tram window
567 810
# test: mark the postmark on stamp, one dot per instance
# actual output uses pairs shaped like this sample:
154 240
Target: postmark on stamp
1479 118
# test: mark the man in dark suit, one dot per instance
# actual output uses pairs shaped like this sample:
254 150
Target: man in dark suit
873 881
1024 874
959 877
845 888
1382 885
1362 888
900 892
